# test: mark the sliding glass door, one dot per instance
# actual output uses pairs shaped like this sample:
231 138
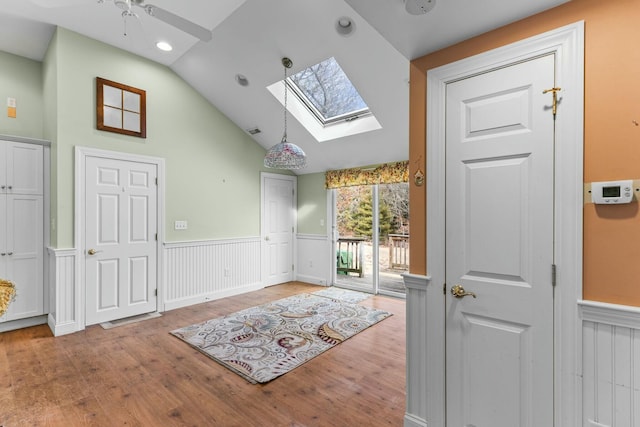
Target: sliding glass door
371 234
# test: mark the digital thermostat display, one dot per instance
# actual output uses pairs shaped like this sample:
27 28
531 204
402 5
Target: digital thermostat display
612 192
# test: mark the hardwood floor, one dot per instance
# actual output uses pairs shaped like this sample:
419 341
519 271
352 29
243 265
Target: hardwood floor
140 375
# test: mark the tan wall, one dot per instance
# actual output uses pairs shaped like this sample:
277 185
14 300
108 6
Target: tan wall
612 140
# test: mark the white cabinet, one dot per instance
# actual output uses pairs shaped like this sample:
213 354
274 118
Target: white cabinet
20 168
21 226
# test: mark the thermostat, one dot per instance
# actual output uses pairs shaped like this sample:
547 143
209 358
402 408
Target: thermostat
612 192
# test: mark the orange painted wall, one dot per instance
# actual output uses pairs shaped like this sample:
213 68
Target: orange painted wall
611 253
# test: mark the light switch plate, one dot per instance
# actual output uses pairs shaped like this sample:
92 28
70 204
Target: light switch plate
180 225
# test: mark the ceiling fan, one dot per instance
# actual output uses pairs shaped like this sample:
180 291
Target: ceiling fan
127 11
162 15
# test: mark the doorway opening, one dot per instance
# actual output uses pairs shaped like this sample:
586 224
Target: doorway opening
371 224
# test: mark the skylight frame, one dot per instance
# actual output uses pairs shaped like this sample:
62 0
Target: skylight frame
310 105
346 117
338 127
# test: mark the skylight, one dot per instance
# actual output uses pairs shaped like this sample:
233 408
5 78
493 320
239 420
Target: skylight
325 102
328 93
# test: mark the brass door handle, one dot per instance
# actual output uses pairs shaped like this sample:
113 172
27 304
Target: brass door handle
267 238
92 252
459 292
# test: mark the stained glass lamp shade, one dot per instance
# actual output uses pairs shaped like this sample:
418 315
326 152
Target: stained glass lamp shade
285 155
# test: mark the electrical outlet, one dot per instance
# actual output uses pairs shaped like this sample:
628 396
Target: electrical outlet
180 225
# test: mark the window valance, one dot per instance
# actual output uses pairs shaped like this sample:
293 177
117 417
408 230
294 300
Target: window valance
388 173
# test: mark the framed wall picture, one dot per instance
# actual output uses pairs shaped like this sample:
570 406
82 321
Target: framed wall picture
121 108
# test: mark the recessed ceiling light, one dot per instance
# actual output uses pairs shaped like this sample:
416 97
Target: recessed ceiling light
164 46
419 7
242 80
345 26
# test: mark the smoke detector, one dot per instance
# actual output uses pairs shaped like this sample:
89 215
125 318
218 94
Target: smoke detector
419 7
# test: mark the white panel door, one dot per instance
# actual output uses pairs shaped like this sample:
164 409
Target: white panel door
278 205
120 239
499 246
22 254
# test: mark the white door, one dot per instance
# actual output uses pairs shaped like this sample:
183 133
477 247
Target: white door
277 228
21 253
120 239
499 246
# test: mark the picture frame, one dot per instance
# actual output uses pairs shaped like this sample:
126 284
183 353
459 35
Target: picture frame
120 108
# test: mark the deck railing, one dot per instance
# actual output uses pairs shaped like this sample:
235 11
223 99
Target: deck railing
349 256
399 251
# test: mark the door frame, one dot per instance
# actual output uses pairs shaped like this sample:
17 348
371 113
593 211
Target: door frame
81 155
294 218
567 44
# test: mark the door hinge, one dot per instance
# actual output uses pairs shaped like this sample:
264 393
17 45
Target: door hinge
156 180
156 292
292 267
156 237
444 288
553 274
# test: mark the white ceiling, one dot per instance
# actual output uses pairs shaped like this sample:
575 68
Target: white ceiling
251 36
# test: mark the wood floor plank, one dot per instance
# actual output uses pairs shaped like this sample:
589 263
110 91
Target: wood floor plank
140 375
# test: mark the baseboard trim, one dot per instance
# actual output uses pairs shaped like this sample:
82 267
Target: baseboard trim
198 299
64 328
12 325
314 280
413 421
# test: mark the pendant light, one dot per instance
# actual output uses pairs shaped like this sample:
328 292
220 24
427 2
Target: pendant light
285 155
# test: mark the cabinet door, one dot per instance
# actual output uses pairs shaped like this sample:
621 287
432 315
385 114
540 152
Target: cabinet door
24 259
23 168
3 237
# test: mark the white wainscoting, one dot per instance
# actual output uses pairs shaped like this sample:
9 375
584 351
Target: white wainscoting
313 259
417 350
64 317
194 272
610 365
201 271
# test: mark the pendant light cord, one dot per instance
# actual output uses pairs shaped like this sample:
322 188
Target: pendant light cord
284 137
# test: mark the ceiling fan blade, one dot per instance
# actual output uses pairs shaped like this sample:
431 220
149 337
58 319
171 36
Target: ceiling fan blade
178 22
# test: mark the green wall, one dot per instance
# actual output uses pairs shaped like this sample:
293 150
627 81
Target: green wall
312 204
21 78
212 167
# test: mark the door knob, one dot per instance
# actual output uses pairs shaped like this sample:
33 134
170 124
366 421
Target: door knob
266 238
459 292
92 252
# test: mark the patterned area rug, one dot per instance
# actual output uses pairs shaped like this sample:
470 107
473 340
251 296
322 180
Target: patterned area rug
261 343
345 295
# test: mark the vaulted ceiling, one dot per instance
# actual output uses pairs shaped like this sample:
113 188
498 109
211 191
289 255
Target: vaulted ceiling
249 37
